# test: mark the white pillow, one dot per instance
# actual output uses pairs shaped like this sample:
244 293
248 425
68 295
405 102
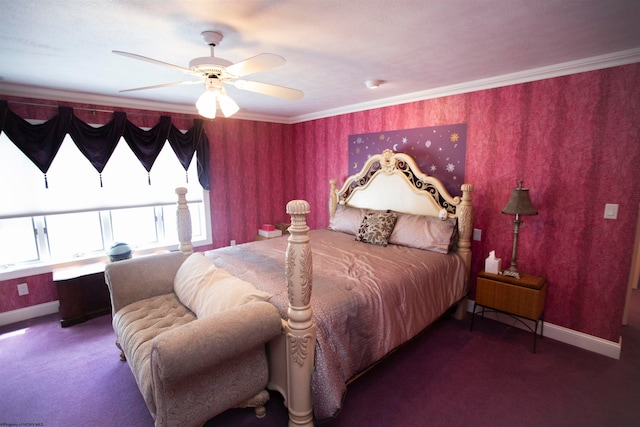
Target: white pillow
425 232
347 219
206 289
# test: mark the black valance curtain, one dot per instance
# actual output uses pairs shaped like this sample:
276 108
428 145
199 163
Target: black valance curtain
98 144
146 144
184 145
40 143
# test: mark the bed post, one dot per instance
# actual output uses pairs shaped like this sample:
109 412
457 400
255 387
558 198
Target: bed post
465 224
333 197
183 222
465 232
300 330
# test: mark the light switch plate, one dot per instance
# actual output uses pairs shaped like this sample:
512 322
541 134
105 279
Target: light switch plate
611 211
477 234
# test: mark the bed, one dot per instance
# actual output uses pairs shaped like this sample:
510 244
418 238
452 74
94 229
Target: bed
347 297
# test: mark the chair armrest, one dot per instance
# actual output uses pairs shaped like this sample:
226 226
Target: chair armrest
199 345
136 279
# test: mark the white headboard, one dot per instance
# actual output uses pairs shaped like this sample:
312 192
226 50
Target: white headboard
393 181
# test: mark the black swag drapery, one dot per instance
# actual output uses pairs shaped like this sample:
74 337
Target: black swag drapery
41 142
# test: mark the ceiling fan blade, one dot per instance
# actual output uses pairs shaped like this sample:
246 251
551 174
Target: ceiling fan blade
269 89
264 61
188 82
155 61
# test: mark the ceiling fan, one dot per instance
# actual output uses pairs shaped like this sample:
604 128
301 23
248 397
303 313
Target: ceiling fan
217 71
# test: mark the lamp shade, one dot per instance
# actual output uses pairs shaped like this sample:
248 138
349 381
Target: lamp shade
227 105
206 104
520 203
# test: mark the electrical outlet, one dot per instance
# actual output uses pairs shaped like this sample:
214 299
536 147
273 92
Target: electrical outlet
477 234
23 289
233 243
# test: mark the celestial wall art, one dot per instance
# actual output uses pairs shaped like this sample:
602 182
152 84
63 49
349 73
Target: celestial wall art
439 151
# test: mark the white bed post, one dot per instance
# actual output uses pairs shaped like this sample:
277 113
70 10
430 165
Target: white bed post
300 330
333 197
183 222
465 224
465 232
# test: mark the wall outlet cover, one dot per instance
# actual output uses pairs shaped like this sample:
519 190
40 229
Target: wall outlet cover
23 289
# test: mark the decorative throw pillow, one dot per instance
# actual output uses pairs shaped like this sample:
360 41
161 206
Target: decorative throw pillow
376 227
206 289
425 232
346 219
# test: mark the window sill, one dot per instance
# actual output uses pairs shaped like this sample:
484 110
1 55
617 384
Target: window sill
36 268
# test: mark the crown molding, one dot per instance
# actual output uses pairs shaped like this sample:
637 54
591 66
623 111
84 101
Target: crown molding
558 70
59 95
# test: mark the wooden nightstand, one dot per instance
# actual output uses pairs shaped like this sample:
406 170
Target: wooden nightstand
523 297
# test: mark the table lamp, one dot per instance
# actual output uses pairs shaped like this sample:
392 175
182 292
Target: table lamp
519 204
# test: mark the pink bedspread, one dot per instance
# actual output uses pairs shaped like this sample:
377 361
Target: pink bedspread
366 299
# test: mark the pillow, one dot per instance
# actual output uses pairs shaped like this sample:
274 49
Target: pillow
206 289
376 227
346 219
425 232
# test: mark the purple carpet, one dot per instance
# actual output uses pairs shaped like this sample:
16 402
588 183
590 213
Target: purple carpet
447 376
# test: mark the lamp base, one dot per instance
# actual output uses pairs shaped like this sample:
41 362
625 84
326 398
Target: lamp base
513 273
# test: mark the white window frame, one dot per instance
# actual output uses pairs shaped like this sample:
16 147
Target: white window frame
47 265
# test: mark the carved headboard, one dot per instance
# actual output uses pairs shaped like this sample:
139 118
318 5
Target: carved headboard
393 181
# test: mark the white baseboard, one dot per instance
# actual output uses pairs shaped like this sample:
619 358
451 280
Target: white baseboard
21 314
558 333
562 334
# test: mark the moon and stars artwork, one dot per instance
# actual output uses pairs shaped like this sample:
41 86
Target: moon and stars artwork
439 151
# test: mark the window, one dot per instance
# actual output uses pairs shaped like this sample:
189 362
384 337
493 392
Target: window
76 220
18 241
75 234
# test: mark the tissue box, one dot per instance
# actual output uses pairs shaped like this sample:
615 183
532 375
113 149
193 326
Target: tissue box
493 266
270 234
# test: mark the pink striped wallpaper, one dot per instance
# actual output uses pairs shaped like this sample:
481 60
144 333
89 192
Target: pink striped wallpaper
574 140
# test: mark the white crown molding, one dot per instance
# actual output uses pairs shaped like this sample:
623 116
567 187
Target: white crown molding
108 101
558 70
91 99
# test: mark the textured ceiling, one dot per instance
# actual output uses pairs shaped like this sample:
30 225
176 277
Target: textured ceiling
57 49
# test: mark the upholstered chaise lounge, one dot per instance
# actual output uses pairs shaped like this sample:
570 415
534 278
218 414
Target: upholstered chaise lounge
193 335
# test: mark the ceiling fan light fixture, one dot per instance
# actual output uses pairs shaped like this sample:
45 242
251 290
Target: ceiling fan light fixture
215 96
217 71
